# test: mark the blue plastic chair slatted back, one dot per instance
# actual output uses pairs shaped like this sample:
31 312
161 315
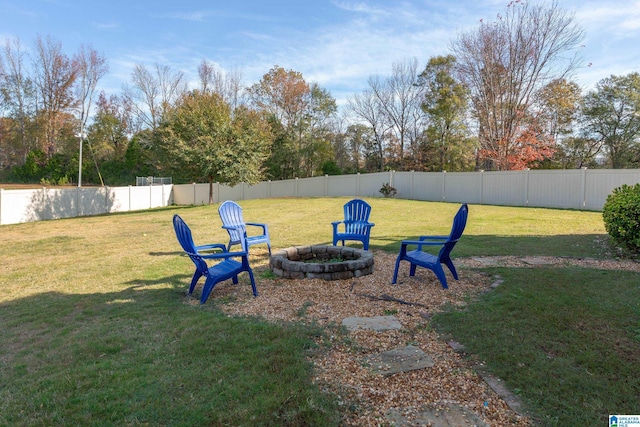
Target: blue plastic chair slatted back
231 215
459 223
183 233
356 213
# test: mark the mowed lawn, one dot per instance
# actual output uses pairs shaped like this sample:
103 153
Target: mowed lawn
95 329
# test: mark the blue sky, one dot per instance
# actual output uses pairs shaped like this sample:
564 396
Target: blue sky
335 43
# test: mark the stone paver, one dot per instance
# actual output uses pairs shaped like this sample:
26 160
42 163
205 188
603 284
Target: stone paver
486 261
410 358
403 359
536 261
376 323
452 416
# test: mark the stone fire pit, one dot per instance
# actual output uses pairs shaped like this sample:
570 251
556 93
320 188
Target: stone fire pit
321 262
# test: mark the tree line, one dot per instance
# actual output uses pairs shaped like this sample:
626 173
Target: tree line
501 99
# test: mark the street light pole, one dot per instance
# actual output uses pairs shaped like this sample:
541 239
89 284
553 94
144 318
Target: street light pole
81 136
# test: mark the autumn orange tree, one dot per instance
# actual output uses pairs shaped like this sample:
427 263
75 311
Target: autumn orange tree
505 63
301 120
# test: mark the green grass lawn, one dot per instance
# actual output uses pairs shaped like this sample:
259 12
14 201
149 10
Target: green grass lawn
94 328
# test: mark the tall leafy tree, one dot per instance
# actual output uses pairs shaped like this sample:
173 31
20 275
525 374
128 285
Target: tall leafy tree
111 127
284 96
559 111
612 113
318 131
559 106
358 140
445 105
504 63
204 137
299 113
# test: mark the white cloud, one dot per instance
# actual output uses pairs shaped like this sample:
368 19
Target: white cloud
105 25
197 16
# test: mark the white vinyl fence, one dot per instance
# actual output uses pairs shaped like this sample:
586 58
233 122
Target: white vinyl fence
565 189
51 203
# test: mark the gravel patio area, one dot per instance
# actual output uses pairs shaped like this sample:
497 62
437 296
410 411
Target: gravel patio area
340 369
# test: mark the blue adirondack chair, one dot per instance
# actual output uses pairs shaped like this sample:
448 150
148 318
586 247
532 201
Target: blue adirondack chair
356 225
228 266
232 221
418 257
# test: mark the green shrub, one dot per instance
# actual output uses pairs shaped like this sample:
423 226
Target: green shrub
387 190
621 215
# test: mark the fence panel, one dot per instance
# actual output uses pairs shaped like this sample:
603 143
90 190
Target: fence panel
286 188
313 187
402 182
226 192
192 194
157 196
36 205
424 186
256 191
183 194
504 188
555 188
343 185
201 193
139 198
600 183
463 187
117 199
90 201
370 184
13 206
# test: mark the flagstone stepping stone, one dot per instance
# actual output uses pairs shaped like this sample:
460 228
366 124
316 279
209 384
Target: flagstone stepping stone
536 261
376 323
452 416
486 261
403 359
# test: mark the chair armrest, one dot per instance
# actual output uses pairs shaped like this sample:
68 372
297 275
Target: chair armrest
367 223
418 243
232 227
421 243
211 247
264 227
434 237
220 255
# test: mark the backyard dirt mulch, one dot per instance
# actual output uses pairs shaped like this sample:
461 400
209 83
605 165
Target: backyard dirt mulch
340 368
